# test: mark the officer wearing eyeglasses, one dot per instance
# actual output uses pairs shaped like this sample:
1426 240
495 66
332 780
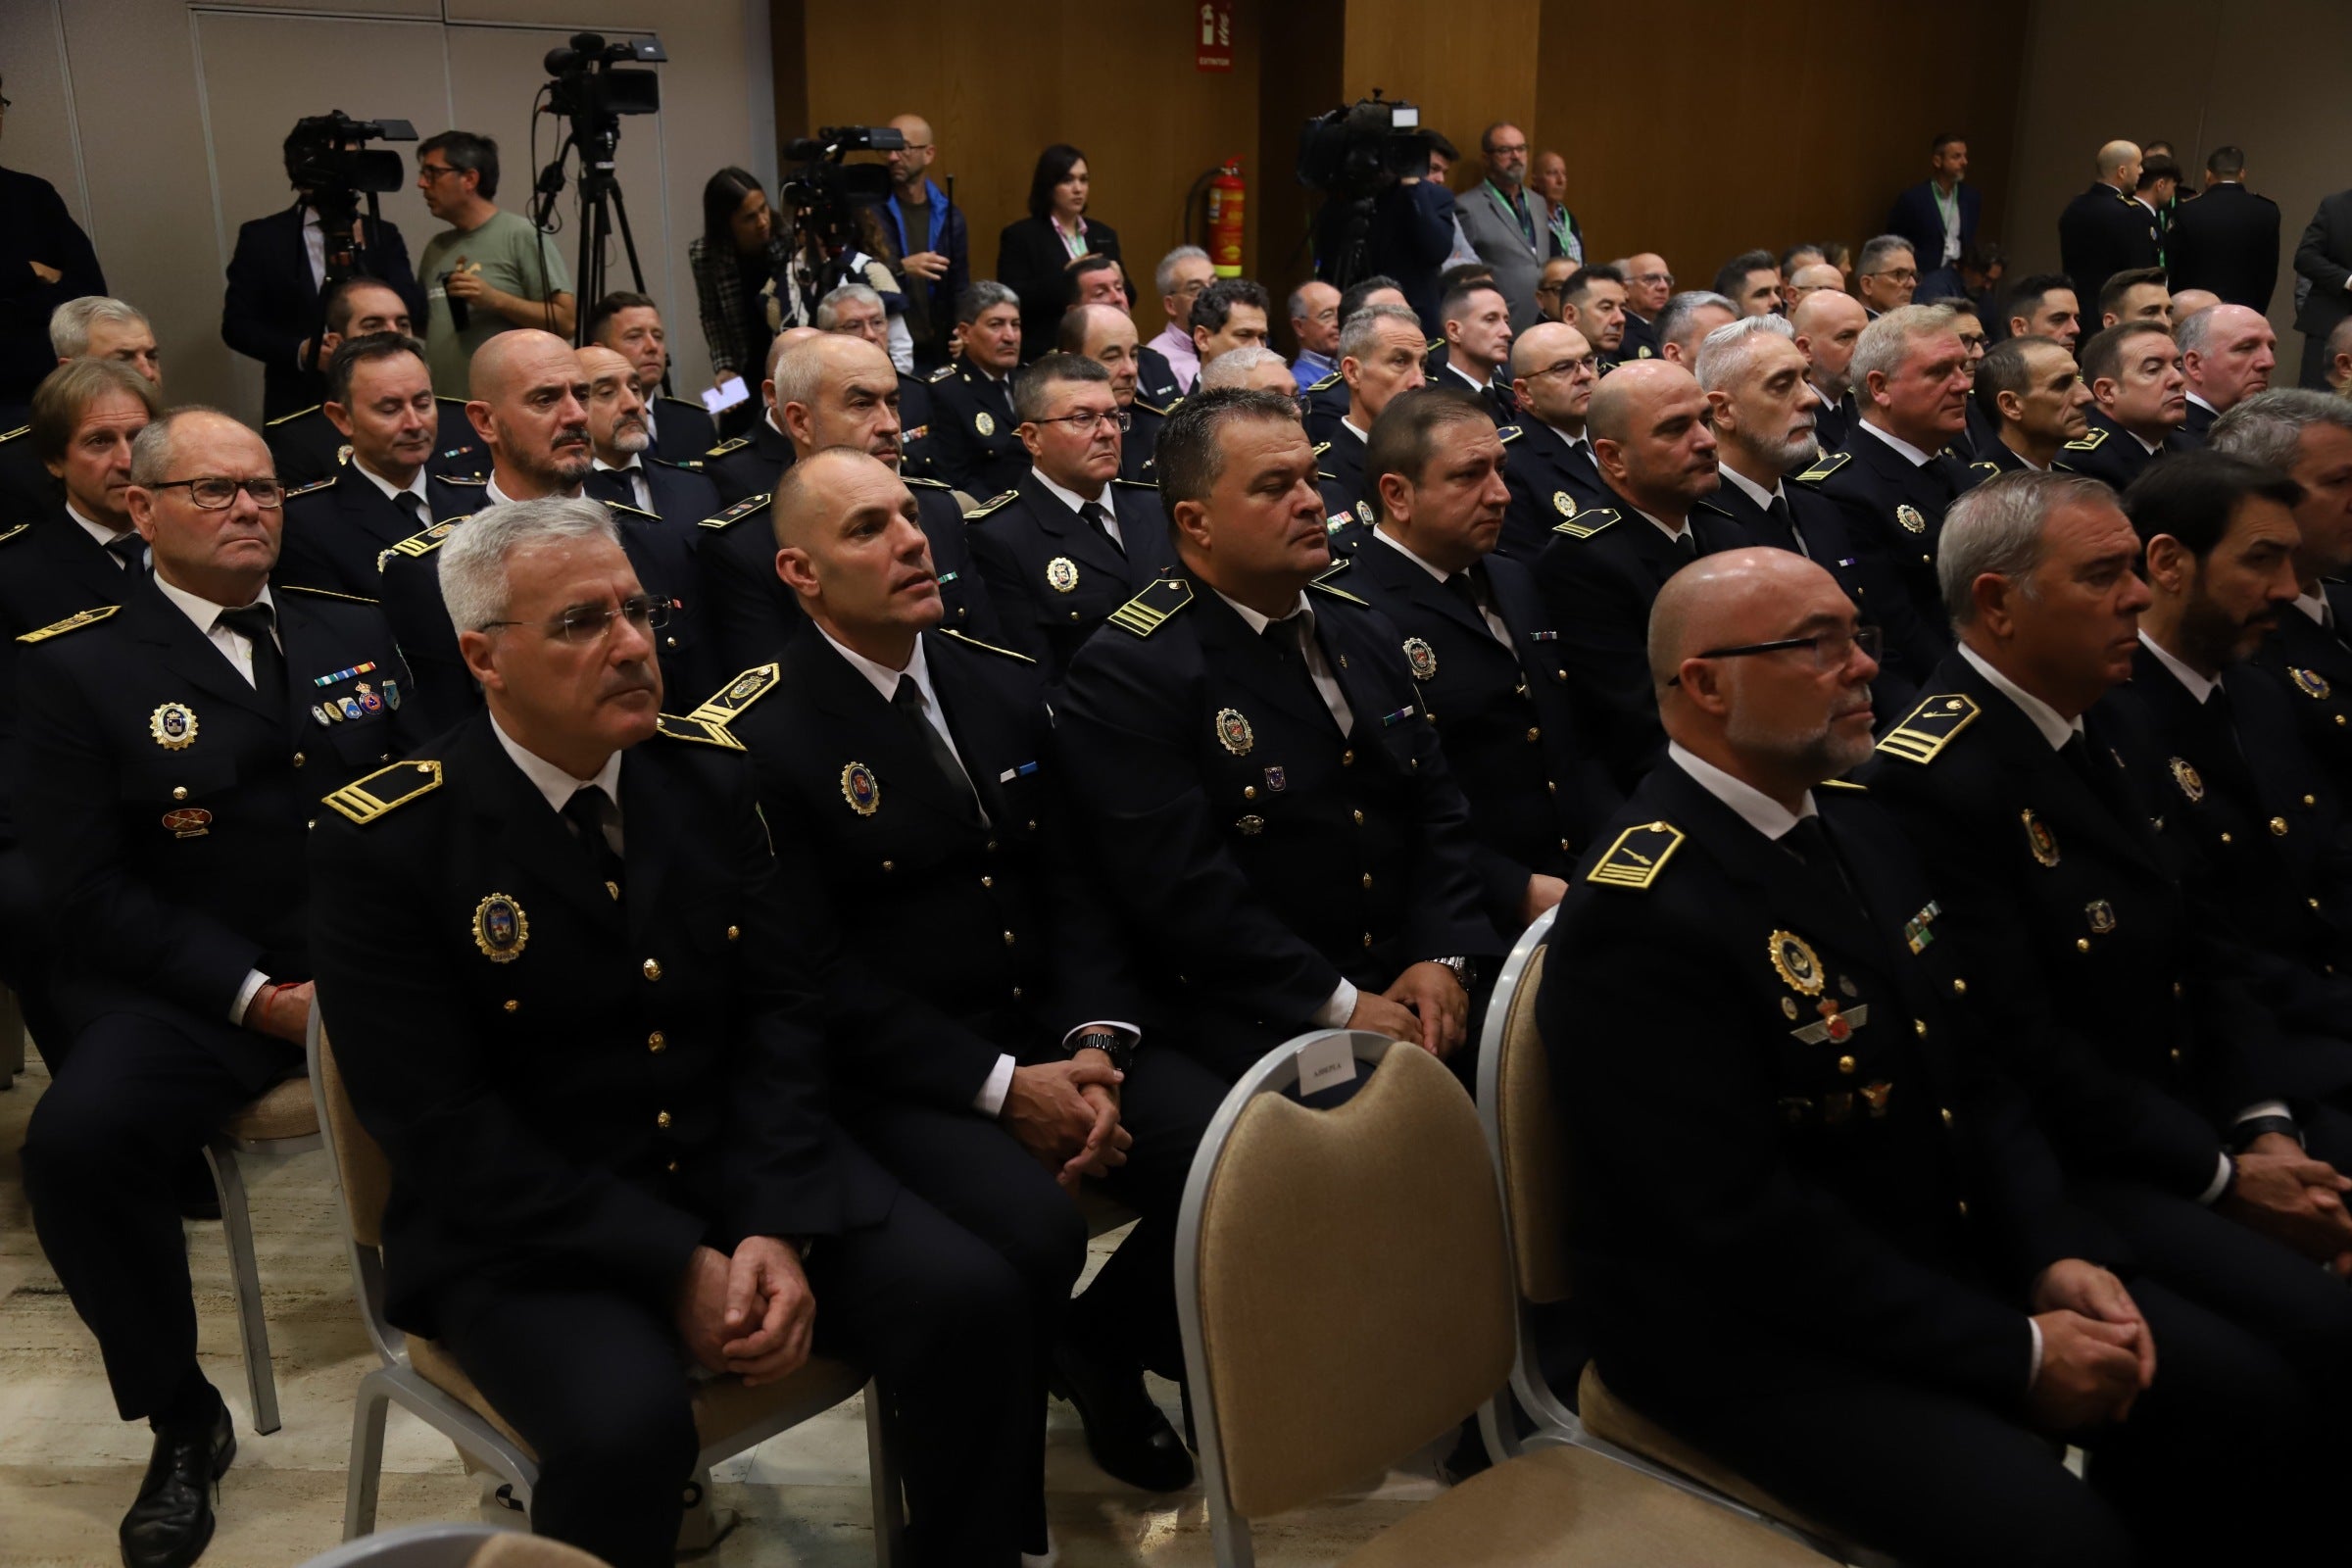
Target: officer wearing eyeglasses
174 745
1073 541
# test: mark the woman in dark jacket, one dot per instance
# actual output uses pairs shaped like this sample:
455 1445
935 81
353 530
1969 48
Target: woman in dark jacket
1034 253
739 252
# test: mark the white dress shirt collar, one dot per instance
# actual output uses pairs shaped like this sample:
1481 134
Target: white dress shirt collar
1347 423
2202 404
1918 459
1753 491
2316 607
2199 686
1072 499
1670 531
392 492
1258 623
882 677
2054 729
555 785
1758 809
98 532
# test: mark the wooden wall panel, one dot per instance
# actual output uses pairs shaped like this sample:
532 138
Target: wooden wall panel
1465 69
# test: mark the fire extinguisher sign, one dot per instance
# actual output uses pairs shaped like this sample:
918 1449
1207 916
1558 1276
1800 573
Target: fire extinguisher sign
1212 35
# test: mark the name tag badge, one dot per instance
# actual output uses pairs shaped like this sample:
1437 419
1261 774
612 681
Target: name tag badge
1325 1063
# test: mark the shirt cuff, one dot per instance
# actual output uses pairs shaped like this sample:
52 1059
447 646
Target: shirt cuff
2034 1375
1337 1008
2267 1107
2220 1183
253 981
990 1101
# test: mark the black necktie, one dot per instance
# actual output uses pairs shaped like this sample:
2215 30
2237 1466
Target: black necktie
252 623
1285 636
611 486
585 813
2104 780
1581 454
128 550
1685 544
909 701
1780 529
1469 587
1100 520
413 504
1809 842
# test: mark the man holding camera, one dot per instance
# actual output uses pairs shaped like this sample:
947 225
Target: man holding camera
490 270
285 263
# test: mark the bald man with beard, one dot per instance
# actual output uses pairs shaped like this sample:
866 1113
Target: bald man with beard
1829 324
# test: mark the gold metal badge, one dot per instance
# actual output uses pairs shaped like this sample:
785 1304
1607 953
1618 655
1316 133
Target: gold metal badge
1909 517
1795 962
173 726
1422 657
2038 837
1234 732
501 928
862 789
2310 682
2187 777
1363 510
2101 915
984 423
1061 574
1563 502
1252 826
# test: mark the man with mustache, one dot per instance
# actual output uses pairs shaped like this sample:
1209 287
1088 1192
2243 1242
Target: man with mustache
2030 391
530 408
2139 402
627 472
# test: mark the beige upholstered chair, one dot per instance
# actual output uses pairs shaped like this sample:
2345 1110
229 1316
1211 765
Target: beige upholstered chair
1345 1296
283 1121
426 1381
1518 1109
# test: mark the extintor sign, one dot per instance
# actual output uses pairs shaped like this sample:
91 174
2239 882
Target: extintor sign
1212 35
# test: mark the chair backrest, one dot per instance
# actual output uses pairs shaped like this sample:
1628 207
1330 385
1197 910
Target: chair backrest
1343 1278
365 1175
1523 1122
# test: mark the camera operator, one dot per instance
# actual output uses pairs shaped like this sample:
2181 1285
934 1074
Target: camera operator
45 259
312 445
1411 235
935 247
630 326
490 270
285 263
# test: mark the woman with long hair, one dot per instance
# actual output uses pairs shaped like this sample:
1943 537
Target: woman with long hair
1034 253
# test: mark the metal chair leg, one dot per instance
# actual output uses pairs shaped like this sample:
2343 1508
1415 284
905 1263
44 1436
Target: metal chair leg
12 1038
366 1475
882 1474
245 1278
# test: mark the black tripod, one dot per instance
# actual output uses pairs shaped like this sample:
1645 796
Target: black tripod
597 139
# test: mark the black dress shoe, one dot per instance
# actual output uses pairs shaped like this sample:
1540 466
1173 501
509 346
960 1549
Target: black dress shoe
171 1523
192 1185
1124 1430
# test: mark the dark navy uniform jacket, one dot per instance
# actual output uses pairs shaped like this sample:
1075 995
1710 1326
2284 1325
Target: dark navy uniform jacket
682 432
682 495
1549 481
338 530
1894 510
1052 578
2315 666
973 446
50 569
747 465
308 448
2113 454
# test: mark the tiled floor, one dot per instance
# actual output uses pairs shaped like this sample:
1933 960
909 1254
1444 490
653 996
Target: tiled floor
68 1467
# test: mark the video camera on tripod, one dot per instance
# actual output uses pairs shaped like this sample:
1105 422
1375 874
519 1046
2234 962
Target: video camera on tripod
823 192
1352 156
585 89
328 160
585 86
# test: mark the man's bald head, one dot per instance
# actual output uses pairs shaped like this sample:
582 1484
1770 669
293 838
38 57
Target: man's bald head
784 341
917 130
1632 390
1817 275
514 359
835 390
1722 601
809 491
2116 157
1545 343
600 362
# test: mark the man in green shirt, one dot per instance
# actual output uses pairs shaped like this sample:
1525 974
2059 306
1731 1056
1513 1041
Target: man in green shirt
490 270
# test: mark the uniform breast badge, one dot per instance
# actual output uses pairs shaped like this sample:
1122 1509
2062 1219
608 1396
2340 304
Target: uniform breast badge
1234 732
367 698
2310 682
1252 826
1563 502
173 726
2187 777
2038 837
1795 962
1277 781
984 423
1910 518
1363 510
500 928
1916 935
1422 657
862 789
1061 574
392 694
1836 1024
188 822
2101 915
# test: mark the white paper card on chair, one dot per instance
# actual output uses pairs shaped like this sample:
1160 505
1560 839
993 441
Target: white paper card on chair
1325 1063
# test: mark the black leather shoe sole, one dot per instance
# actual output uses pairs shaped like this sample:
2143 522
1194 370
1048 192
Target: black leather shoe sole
1125 1433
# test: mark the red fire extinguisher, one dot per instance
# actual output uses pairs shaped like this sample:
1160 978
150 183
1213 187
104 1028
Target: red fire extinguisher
1227 195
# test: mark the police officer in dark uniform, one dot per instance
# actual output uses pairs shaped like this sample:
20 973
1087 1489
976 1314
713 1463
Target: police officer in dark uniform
1860 1223
577 1001
1550 472
1604 564
1326 401
1381 354
974 447
1896 474
2104 231
338 528
859 311
1073 542
626 473
2153 1069
1269 802
1483 649
313 443
831 390
630 326
172 747
2139 401
1155 378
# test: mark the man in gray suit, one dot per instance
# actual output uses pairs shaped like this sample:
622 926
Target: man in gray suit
1508 224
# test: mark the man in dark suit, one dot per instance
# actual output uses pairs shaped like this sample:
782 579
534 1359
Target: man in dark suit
1551 474
1604 565
2227 240
826 390
1938 216
2152 1068
2032 393
173 751
45 261
1898 1244
626 471
576 1000
2105 230
1480 643
1073 542
1381 354
2227 354
956 787
309 446
630 326
2138 403
974 447
1270 806
272 309
339 528
2324 260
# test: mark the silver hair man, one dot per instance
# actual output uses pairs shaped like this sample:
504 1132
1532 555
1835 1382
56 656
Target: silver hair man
474 563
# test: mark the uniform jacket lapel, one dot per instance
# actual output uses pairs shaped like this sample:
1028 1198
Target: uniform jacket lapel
1251 661
897 756
532 833
182 647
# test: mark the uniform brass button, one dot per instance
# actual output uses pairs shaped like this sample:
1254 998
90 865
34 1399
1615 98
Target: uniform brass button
1534 733
1248 792
1964 1208
988 881
888 866
1959 987
2313 903
2339 718
1360 819
1845 1065
2311 800
1559 674
1016 992
612 890
1368 879
674 1167
2082 943
1348 758
179 792
1008 939
990 846
1563 844
1919 1027
2278 827
670 642
1927 560
2176 991
652 969
1367 939
1946 1115
1033 828
734 933
661 1119
513 1005
1073 614
657 1041
2224 837
1550 787
2175 1054
297 759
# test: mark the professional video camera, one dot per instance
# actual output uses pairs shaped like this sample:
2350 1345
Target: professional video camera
327 158
587 91
1359 149
587 87
823 187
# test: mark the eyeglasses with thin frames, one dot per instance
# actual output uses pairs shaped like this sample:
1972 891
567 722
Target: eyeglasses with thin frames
1088 424
583 625
1831 650
212 493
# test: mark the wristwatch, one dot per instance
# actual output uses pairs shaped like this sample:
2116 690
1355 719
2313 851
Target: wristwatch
2244 1135
1465 973
1117 1047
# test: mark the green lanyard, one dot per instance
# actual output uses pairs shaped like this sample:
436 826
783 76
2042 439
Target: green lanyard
1527 221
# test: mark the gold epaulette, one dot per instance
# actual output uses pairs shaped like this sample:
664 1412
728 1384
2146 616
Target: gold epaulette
13 532
482 479
928 484
1585 523
732 443
21 430
974 642
736 512
1142 614
986 506
1930 728
1327 383
939 375
304 490
364 800
1436 343
271 424
1844 784
2089 443
1323 580
634 512
443 397
1828 465
1154 408
1322 447
1138 484
702 731
323 593
739 694
419 545
1987 466
73 622
1508 434
1640 853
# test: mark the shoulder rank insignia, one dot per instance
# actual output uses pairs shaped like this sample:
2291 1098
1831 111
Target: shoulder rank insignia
2089 443
974 642
364 800
1640 853
700 730
73 623
1436 343
633 511
271 424
739 694
736 512
986 506
1328 582
7 535
1844 784
1322 447
1138 484
1141 615
1930 728
927 484
1154 408
21 430
1585 523
734 443
482 479
324 593
1327 383
1508 434
1988 468
313 486
940 374
426 543
1825 466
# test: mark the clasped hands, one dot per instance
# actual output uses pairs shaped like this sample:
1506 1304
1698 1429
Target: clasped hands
751 1313
1424 1007
1067 1113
